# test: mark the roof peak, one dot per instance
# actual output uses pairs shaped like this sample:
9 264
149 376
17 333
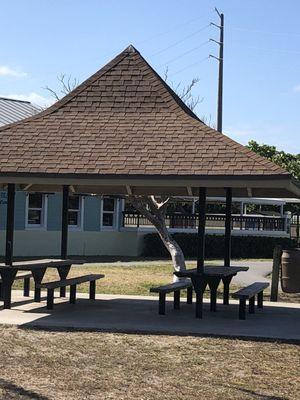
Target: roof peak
131 49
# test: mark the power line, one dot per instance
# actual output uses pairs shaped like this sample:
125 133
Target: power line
190 65
111 54
170 30
265 32
183 54
269 49
180 41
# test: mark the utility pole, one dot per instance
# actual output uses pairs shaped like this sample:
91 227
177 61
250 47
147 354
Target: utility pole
220 60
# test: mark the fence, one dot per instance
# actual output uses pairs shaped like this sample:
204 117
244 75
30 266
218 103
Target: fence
213 221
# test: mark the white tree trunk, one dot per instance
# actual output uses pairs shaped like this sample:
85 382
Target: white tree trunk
175 252
156 215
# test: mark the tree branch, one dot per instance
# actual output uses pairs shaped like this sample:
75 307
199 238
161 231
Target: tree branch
67 85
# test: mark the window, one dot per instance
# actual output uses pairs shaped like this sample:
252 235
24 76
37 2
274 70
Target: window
109 212
75 212
36 210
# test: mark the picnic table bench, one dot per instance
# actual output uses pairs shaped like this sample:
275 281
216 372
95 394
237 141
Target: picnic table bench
72 282
38 269
25 276
211 276
175 287
249 293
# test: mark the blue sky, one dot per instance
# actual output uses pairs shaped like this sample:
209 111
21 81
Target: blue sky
42 39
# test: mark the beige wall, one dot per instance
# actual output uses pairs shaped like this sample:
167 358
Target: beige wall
32 243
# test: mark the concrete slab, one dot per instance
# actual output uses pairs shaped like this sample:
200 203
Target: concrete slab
257 272
118 313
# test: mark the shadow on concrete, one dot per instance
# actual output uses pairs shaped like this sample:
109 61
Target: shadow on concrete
140 316
17 392
24 301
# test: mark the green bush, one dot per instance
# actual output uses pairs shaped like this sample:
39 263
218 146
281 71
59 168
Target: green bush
241 246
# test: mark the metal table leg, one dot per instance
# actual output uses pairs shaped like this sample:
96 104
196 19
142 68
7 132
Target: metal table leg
213 283
226 281
8 276
38 275
63 273
199 283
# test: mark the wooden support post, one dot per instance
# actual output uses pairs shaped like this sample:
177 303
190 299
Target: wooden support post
227 254
26 287
201 230
275 272
176 299
10 214
64 222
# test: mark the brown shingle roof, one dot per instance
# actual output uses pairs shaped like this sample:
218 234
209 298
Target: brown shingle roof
124 120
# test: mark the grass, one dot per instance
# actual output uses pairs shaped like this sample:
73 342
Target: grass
124 278
45 365
136 278
75 365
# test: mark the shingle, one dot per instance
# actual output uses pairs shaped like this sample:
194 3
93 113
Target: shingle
126 120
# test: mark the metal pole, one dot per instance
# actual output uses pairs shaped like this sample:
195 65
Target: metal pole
64 222
201 230
227 255
220 86
298 227
10 217
277 253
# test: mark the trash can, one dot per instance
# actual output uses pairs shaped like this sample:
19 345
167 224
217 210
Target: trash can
290 271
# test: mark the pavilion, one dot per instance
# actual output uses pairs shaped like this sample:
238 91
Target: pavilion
125 132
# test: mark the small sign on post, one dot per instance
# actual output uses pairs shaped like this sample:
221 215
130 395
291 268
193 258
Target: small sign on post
277 253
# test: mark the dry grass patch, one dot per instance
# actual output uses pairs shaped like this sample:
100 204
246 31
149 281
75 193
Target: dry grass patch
73 365
130 278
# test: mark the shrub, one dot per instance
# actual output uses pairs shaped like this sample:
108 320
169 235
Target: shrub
241 246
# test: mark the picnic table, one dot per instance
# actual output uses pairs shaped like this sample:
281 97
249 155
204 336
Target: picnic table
38 269
211 276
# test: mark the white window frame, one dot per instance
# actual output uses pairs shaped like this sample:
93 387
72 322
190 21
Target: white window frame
80 211
115 213
44 212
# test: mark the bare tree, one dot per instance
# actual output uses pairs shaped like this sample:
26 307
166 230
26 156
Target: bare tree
185 92
155 212
67 84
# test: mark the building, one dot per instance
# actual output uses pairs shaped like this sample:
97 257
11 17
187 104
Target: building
12 110
102 226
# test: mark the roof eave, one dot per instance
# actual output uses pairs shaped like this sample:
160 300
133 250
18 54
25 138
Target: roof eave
248 186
